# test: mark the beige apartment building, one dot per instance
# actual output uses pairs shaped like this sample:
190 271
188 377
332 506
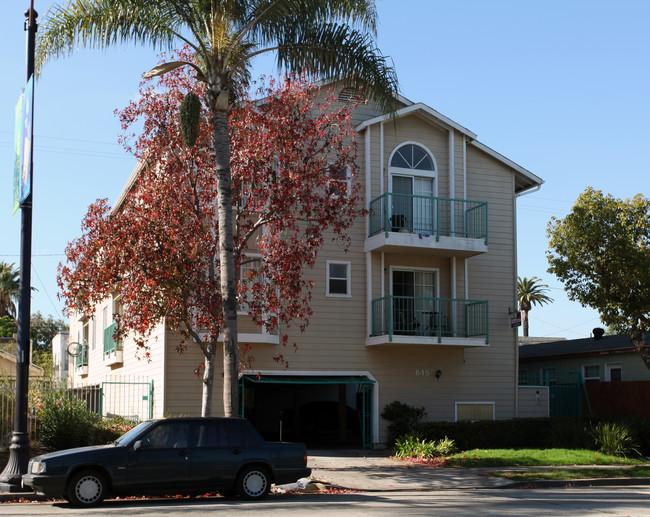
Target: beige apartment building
418 310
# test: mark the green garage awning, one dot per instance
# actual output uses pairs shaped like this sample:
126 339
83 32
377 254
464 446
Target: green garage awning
307 379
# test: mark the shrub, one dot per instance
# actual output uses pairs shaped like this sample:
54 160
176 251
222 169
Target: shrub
614 438
112 428
411 446
66 422
402 417
570 433
535 433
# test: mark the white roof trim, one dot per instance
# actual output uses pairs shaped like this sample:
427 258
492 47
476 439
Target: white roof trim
419 106
127 186
508 162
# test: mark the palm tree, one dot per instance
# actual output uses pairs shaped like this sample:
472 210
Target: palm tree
321 38
9 286
530 292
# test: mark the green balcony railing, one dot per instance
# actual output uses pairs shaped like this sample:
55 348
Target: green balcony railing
429 216
429 317
81 359
110 344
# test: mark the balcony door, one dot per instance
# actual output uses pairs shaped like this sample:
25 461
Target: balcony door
414 298
413 172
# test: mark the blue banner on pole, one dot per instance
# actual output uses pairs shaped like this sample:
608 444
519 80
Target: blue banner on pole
23 145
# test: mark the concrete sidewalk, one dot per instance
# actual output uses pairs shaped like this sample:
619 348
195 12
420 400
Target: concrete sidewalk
370 471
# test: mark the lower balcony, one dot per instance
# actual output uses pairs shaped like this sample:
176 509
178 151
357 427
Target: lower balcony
414 320
81 360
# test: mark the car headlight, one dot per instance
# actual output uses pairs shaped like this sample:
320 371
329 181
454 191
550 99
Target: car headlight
36 467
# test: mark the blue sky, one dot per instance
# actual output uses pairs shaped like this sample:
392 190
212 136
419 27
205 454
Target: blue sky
559 87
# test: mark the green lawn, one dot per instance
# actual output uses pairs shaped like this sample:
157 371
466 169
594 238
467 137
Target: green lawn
534 457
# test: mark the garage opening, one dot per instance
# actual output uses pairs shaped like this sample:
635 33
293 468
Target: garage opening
320 411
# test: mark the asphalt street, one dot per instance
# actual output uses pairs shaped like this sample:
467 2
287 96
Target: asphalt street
574 502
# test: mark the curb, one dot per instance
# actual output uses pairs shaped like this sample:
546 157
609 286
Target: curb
547 483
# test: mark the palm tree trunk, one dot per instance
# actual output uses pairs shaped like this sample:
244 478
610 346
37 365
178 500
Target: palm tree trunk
524 322
226 262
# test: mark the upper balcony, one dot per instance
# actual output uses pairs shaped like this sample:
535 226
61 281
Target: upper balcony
113 350
412 320
453 226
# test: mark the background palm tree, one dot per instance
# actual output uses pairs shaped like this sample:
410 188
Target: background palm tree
321 38
9 285
530 292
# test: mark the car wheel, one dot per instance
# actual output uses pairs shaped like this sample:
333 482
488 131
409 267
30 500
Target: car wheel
87 488
253 483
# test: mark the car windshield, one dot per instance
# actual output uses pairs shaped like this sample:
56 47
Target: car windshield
128 436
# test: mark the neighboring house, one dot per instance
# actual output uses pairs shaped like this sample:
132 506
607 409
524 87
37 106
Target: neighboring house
416 311
60 357
598 359
8 360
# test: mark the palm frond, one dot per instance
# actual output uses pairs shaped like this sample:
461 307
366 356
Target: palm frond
102 23
340 52
530 291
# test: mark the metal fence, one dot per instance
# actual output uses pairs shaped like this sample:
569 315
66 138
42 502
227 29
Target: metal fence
130 397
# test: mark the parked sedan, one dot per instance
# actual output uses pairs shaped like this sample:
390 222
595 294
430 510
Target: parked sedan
174 455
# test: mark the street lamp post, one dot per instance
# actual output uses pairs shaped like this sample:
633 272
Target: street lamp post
11 477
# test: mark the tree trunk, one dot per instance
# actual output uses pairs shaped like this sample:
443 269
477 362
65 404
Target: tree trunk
208 380
636 337
226 263
524 321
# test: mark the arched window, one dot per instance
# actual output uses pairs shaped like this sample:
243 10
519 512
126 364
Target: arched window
413 187
412 157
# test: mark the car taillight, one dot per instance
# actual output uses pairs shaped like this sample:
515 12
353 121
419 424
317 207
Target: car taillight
304 458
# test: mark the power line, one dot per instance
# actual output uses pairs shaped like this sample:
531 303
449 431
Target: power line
45 291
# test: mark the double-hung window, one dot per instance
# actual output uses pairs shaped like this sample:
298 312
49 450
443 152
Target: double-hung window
338 278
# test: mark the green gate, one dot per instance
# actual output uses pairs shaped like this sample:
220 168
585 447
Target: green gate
130 399
565 390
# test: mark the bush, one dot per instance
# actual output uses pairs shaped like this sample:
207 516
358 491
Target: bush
535 433
411 446
112 428
613 438
402 417
66 422
570 433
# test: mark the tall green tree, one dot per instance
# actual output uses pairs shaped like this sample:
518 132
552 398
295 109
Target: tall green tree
9 284
321 38
601 251
530 292
42 330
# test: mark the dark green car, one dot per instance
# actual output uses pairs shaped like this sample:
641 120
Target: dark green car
171 456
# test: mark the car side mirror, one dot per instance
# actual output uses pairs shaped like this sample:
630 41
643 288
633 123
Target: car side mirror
137 445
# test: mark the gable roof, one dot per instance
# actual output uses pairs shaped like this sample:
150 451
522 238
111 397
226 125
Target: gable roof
578 347
524 179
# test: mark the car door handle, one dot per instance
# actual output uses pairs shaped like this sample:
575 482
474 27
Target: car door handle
237 451
183 452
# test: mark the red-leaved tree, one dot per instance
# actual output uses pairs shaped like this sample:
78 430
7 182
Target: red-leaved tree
293 166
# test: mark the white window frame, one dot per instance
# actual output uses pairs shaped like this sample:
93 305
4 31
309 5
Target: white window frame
413 173
474 403
584 372
347 181
608 370
249 257
348 280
